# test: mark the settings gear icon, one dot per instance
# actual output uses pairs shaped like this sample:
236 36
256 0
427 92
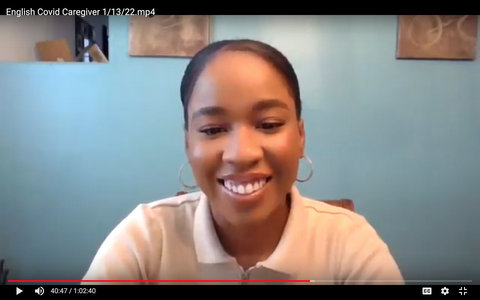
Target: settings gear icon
444 291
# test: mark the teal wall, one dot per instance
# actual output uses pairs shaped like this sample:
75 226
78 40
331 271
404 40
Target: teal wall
82 144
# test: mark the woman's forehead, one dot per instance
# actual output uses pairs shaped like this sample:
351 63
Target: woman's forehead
234 77
236 64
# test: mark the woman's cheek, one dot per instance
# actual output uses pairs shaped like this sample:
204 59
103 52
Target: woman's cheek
203 157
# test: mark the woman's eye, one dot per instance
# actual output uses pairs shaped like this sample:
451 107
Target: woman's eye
212 131
270 126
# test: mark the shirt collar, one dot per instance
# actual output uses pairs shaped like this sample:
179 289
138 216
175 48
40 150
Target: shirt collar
207 245
290 250
284 258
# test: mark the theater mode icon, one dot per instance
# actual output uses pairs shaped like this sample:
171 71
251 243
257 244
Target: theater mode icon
426 290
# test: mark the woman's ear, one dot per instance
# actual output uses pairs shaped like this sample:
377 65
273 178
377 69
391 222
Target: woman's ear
301 132
185 136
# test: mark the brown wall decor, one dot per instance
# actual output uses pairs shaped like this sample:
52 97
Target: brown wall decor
437 36
172 35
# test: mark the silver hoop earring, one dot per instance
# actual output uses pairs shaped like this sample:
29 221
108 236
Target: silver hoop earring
309 161
180 172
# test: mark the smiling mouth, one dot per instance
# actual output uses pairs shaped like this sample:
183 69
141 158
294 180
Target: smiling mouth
244 188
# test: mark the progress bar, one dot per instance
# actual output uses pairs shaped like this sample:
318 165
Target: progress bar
396 281
270 281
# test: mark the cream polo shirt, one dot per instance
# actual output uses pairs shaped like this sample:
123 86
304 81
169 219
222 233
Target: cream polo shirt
174 239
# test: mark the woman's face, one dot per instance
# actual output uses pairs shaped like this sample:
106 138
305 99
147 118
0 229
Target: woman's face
243 139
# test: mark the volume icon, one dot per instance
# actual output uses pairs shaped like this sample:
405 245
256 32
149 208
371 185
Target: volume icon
39 291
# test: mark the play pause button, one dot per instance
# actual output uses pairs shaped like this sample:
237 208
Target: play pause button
18 291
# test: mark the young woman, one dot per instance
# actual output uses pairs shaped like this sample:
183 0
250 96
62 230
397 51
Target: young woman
244 138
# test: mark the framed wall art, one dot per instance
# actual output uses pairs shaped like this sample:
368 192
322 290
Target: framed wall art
437 36
169 35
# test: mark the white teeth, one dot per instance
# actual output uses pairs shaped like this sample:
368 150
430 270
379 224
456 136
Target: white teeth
241 189
249 189
244 189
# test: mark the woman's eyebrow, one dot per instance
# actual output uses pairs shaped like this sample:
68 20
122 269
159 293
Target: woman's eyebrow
259 106
209 111
269 103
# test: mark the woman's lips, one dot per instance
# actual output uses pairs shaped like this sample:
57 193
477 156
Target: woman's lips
244 190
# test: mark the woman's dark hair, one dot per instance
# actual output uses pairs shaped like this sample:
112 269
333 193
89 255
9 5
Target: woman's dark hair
265 51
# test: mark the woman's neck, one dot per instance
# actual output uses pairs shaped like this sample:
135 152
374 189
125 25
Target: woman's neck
250 243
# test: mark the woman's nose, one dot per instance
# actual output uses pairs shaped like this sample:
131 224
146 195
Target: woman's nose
242 147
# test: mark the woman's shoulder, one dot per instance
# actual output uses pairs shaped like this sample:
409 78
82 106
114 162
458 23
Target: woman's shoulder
338 220
328 207
163 210
323 211
187 199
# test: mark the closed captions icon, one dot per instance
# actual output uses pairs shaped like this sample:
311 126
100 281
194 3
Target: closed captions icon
426 291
